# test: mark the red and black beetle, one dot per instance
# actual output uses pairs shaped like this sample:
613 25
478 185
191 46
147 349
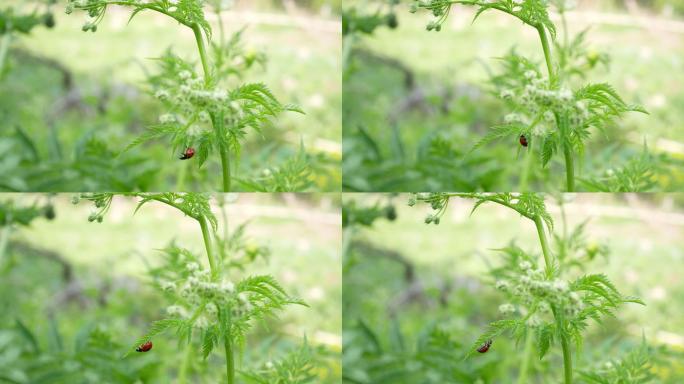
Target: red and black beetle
188 154
485 347
523 141
144 347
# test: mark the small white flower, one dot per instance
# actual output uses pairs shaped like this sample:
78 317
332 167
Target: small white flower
167 286
185 75
227 287
549 116
167 118
502 285
162 94
204 116
530 74
211 308
534 321
244 299
192 266
506 309
525 265
560 285
176 310
220 95
565 94
507 94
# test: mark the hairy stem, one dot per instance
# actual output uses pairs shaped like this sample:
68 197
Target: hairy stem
567 356
209 245
224 151
547 53
569 168
567 359
202 53
544 243
217 121
230 361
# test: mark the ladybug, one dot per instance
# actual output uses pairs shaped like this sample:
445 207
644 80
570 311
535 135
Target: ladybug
523 141
485 347
188 154
144 347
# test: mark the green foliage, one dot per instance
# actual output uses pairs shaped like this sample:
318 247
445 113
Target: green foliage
531 12
297 367
529 205
354 21
431 357
92 356
638 174
11 22
207 304
90 165
21 215
635 367
541 302
202 112
354 214
186 12
547 110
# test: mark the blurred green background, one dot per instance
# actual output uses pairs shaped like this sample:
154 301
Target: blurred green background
416 296
80 98
415 101
60 277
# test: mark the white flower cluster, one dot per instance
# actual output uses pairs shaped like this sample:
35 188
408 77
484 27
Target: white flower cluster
197 288
534 97
192 102
538 294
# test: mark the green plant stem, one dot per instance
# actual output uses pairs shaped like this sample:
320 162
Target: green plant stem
547 53
522 378
569 168
567 356
180 180
4 47
185 365
539 223
562 122
209 245
529 163
230 361
211 254
567 360
217 121
202 53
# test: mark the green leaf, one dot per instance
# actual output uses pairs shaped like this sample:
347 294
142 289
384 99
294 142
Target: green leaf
497 133
548 149
495 329
545 338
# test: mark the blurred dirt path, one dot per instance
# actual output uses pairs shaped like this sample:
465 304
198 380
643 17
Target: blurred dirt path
653 23
302 21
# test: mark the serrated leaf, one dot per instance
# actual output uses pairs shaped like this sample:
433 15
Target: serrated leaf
497 133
